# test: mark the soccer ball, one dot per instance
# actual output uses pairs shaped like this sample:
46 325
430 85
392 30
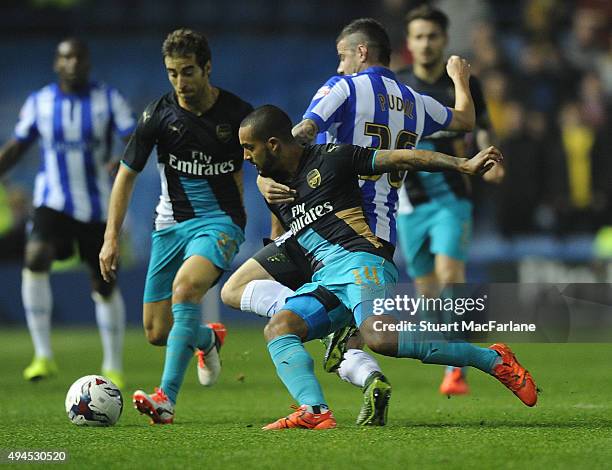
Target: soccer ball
94 400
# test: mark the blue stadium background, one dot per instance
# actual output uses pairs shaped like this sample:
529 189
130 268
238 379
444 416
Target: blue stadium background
266 52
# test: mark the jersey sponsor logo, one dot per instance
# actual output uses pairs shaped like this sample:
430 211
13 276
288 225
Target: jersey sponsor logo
313 178
224 132
201 165
302 218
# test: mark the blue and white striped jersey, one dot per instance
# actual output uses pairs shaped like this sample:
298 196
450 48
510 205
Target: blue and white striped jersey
75 137
373 109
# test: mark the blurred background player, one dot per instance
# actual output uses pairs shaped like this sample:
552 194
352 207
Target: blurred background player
73 119
200 218
435 214
371 109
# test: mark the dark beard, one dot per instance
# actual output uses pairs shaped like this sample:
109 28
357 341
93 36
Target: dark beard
273 169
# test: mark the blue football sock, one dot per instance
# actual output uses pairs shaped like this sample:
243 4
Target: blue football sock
294 366
206 338
434 349
181 344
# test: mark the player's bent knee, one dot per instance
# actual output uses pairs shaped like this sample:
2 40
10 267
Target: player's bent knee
38 259
451 276
285 322
156 336
231 293
157 321
380 345
232 290
380 342
355 341
449 270
188 291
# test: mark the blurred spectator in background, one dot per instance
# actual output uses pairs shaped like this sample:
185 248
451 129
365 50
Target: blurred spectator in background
578 172
594 105
532 56
525 170
604 67
584 44
544 78
496 92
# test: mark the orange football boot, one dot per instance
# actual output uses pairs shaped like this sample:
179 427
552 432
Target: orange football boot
302 418
156 405
454 383
514 376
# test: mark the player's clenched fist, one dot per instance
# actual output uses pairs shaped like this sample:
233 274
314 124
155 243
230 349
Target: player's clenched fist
458 68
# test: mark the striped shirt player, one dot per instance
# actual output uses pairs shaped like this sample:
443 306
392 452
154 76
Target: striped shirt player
75 134
74 121
369 109
372 109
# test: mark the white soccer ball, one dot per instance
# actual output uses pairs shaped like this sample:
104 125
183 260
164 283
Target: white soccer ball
94 400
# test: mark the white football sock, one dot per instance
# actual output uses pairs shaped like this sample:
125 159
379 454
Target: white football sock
110 315
264 297
38 303
357 366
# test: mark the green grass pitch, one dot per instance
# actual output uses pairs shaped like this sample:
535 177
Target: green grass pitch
219 427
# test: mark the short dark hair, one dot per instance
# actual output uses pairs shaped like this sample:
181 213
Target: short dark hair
428 13
183 42
375 35
269 121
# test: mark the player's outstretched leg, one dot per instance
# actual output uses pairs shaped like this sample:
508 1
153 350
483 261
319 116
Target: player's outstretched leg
432 348
294 366
209 361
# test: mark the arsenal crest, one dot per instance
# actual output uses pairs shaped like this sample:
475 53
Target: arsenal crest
313 178
224 132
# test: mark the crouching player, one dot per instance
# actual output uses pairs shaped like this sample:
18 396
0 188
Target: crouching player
351 266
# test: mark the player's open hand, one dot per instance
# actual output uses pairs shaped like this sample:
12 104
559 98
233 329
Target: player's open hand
458 68
482 162
275 193
109 259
